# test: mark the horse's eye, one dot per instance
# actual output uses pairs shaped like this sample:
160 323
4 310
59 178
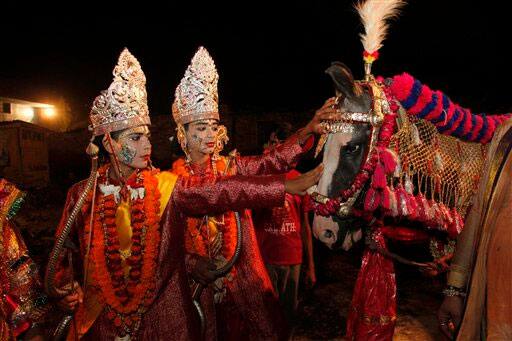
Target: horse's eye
351 149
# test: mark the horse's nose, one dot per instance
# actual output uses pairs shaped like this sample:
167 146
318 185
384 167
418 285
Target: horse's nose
328 234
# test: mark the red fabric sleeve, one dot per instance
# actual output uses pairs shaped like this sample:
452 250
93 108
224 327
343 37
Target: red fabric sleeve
198 195
280 159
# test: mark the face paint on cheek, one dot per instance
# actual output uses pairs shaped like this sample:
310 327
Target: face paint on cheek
127 154
197 139
196 142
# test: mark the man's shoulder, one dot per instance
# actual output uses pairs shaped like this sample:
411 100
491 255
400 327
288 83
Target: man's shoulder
78 185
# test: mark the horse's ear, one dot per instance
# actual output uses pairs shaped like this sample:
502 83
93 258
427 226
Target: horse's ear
343 80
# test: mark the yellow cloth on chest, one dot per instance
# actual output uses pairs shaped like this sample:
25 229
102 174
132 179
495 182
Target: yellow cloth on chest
166 182
91 308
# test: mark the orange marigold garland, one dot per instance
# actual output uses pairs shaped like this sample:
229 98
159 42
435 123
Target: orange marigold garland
127 297
196 236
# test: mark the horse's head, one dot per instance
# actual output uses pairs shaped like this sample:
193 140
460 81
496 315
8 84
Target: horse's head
344 153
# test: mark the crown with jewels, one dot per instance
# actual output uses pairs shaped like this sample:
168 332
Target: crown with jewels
196 97
124 104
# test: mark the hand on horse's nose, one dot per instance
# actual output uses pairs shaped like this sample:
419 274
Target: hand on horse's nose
316 174
300 184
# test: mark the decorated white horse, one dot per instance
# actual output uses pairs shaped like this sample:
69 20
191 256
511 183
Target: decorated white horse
402 164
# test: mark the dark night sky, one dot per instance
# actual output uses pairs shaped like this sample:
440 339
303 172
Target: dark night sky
269 56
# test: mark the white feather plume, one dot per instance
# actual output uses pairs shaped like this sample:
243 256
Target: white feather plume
374 15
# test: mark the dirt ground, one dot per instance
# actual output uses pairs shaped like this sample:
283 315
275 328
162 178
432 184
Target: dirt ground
322 310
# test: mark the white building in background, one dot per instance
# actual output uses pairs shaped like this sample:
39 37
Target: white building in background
12 109
24 154
24 141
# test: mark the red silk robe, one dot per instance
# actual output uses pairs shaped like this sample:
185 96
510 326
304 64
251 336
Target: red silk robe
172 314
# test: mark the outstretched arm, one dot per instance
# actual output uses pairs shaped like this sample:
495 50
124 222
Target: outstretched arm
286 155
198 196
280 159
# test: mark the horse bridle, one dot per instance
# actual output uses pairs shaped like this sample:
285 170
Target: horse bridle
346 124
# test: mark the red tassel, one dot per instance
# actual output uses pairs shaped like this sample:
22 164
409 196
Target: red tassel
372 200
413 207
458 224
423 208
401 200
452 231
447 214
439 217
379 177
393 204
389 159
434 215
402 86
309 204
386 199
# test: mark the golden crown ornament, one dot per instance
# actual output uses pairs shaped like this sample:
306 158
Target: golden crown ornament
196 97
124 104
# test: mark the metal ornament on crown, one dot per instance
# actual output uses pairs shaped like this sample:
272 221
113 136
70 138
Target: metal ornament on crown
196 98
124 104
